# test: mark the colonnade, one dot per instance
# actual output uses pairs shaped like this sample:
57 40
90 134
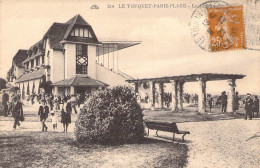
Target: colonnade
177 94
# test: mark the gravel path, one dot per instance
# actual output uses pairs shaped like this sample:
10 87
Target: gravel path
212 144
222 143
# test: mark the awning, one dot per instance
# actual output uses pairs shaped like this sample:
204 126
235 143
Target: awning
80 81
111 46
37 74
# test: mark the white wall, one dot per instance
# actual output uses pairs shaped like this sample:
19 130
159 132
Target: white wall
92 62
57 66
70 60
110 77
48 48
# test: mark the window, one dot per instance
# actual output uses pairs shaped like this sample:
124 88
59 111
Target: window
48 57
81 59
37 61
80 32
32 63
79 50
85 32
43 59
76 31
27 65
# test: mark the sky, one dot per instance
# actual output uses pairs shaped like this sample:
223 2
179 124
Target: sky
167 47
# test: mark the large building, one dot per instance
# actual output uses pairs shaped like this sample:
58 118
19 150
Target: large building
72 58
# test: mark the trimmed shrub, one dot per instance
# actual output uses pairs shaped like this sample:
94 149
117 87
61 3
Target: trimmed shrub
110 116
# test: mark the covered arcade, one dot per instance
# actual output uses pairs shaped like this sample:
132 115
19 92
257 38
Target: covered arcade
177 83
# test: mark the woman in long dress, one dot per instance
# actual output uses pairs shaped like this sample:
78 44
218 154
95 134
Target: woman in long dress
66 116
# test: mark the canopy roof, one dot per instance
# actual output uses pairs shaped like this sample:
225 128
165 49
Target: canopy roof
190 78
80 81
31 75
110 46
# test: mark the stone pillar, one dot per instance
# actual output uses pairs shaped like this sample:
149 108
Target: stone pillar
180 95
231 93
152 95
72 90
161 95
174 95
202 96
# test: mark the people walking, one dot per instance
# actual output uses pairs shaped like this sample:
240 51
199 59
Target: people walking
43 113
235 102
56 103
210 102
223 99
66 116
255 106
54 120
73 101
5 99
248 106
17 112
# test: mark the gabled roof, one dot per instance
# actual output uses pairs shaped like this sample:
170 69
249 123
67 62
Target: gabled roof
59 32
36 44
77 20
80 80
56 34
19 57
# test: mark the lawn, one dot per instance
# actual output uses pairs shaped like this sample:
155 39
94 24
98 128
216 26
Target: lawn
55 149
189 115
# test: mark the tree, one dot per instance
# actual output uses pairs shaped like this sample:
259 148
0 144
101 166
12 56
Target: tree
46 86
2 83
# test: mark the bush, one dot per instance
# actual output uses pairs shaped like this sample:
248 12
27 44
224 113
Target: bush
110 116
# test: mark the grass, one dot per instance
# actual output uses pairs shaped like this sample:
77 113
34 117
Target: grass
189 115
53 149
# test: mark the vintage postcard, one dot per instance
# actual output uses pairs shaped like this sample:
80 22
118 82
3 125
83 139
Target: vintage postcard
129 83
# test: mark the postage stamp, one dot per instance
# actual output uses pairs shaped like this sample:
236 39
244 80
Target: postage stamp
199 23
226 28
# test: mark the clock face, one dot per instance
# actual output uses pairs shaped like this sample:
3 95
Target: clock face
199 23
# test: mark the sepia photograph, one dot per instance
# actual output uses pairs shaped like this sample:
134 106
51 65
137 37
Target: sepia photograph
130 83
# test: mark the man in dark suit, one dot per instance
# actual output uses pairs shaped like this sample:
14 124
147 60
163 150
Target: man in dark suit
248 106
5 99
223 99
17 112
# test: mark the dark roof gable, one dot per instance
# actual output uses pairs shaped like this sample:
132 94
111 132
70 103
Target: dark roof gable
77 20
56 34
19 57
60 31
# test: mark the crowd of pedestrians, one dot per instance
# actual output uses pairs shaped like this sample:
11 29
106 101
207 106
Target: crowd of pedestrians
59 107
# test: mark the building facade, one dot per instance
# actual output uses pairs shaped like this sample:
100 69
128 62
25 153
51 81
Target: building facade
72 58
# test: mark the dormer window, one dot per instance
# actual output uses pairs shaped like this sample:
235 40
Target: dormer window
27 65
32 63
80 32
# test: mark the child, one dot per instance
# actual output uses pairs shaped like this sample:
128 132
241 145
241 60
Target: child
43 113
54 120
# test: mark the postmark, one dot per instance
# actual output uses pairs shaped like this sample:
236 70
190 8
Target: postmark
226 28
199 23
252 26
